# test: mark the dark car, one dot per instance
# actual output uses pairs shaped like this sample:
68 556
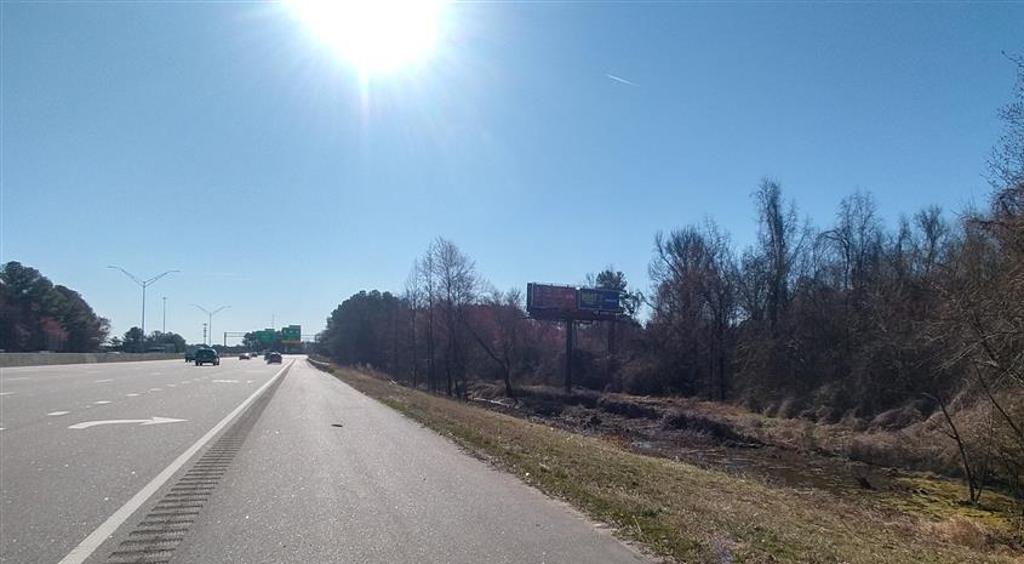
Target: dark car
274 358
207 356
190 356
243 356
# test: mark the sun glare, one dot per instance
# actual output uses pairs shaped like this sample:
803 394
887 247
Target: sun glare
375 36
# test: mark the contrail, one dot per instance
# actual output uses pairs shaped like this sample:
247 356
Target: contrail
620 79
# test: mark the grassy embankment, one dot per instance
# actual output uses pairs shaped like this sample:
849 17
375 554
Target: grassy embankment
683 512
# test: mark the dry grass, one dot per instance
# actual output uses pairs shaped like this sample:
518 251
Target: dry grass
959 530
677 510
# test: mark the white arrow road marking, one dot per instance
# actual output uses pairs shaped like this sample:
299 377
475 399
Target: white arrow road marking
224 381
92 542
141 422
56 413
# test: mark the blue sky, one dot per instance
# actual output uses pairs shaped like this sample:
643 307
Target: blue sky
224 140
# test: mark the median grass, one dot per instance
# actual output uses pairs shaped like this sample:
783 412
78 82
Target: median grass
676 510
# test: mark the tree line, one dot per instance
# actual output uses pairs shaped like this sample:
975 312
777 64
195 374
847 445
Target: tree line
854 318
134 340
36 314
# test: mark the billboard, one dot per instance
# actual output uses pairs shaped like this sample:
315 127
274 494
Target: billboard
548 300
599 301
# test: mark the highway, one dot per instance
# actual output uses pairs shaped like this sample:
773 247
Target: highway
163 461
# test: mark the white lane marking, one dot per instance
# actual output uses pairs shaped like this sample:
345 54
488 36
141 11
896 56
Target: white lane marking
101 402
96 538
169 385
224 381
57 413
249 381
105 380
185 382
155 390
131 395
6 393
16 379
141 422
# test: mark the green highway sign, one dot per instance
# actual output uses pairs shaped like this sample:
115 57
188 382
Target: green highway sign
291 334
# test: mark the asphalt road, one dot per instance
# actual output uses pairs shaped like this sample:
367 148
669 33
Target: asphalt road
312 471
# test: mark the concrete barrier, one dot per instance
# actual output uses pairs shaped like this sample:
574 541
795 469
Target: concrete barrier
40 359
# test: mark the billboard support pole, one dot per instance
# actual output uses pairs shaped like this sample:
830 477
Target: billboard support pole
570 328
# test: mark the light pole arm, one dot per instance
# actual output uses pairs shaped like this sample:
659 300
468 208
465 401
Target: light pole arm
129 275
158 276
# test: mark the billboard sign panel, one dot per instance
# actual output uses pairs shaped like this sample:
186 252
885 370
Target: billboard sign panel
547 300
599 301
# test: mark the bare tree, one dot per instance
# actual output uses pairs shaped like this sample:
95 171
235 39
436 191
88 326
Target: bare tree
695 301
414 300
428 284
1006 163
457 282
780 242
496 329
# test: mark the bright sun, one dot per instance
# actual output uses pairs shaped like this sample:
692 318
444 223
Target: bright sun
376 36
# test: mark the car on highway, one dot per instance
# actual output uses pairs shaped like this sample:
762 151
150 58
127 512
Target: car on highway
243 356
207 356
273 358
190 355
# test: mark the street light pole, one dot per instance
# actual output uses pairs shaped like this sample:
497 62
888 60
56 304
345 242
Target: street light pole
143 284
210 315
163 329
